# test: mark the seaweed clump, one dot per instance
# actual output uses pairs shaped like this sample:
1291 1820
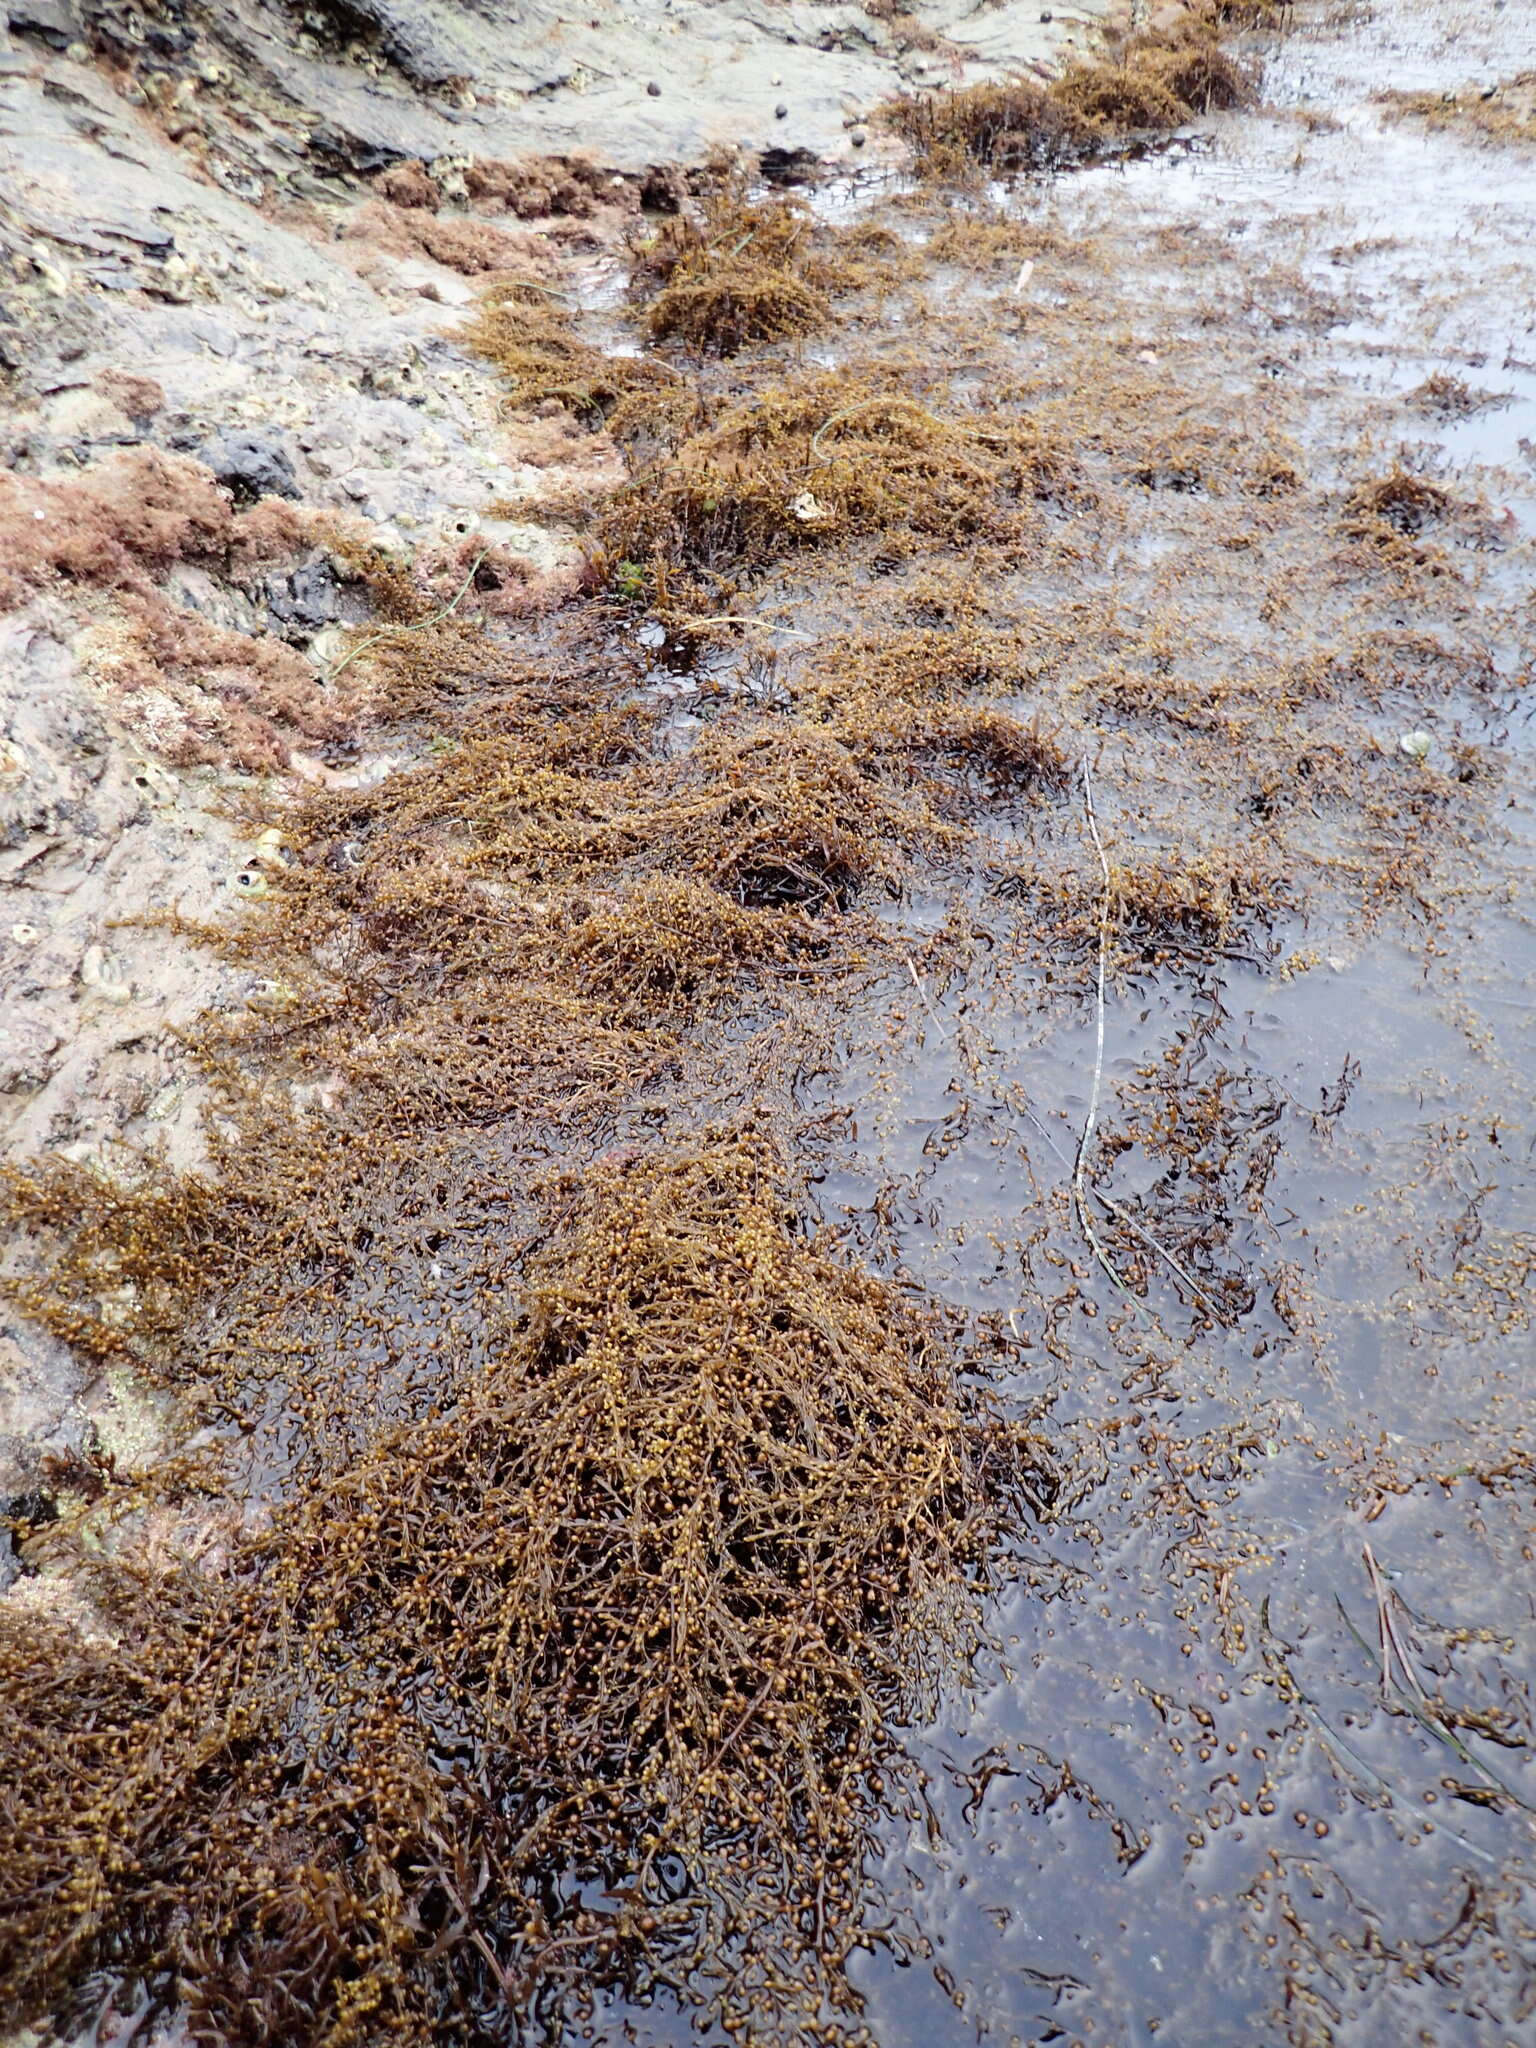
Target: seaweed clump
575 1673
551 1555
1012 125
523 329
1155 913
1154 82
1504 113
190 690
556 850
1445 398
138 511
745 273
824 458
1397 505
726 306
959 753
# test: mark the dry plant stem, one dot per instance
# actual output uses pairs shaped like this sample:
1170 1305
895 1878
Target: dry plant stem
1391 1641
1423 1710
1122 1215
1079 1170
1108 1203
420 626
1090 1122
1430 1714
917 983
697 625
1344 1754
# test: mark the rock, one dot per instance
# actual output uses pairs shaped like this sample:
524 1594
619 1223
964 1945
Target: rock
298 606
80 414
27 1046
427 52
252 462
787 166
98 973
140 397
339 149
123 28
638 85
57 22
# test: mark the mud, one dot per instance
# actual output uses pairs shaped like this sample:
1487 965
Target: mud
845 1156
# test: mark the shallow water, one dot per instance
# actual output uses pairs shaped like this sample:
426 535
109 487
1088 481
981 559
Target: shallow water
1176 1806
1283 1889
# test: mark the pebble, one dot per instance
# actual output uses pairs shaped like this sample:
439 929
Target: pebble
96 972
252 462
